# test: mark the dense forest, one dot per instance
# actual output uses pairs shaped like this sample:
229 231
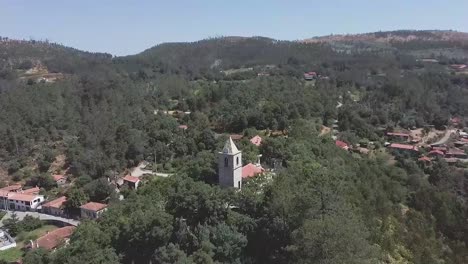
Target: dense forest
107 114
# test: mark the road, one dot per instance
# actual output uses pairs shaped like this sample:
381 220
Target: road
445 138
21 215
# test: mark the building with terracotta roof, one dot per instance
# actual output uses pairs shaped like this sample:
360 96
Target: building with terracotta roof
34 190
53 239
55 207
456 153
403 147
436 152
59 179
399 136
251 170
342 144
131 181
257 140
24 202
183 127
309 76
92 210
13 188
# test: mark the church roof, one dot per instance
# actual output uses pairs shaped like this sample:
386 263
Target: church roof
230 147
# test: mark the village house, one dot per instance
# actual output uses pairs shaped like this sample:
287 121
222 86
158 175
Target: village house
251 170
436 153
257 140
59 179
13 188
309 76
131 182
183 127
342 144
53 239
24 202
55 207
34 190
456 153
92 210
402 148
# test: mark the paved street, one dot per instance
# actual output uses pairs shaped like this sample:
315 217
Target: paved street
21 215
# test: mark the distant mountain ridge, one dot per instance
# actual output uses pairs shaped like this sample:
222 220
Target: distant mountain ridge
394 36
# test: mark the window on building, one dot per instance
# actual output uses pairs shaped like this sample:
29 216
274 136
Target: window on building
226 162
237 160
239 184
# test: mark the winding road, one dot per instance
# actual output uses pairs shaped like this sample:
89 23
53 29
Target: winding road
445 138
41 216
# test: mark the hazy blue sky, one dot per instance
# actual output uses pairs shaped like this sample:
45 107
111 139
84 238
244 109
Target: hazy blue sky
128 27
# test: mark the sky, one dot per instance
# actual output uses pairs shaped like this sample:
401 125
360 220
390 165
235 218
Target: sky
124 27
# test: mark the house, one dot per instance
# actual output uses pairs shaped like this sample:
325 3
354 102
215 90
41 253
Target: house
131 181
34 190
458 67
436 152
257 140
251 170
53 239
24 202
13 188
309 76
92 210
460 143
55 207
183 127
403 147
59 179
425 160
342 144
399 136
456 153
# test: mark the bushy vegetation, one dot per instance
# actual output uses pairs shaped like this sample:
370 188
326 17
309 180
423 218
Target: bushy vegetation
324 206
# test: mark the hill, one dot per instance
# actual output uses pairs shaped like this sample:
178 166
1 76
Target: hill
172 108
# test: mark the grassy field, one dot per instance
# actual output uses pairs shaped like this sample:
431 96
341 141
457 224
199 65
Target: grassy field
22 239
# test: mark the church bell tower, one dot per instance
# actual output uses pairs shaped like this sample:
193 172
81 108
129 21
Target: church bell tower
230 165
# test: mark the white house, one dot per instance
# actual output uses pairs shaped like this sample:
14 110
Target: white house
24 202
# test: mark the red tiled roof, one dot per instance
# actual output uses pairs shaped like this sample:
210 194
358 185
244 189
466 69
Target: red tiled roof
424 158
4 193
455 151
257 140
310 73
92 206
57 203
130 178
251 170
58 177
398 134
436 152
403 146
23 197
54 238
341 144
12 188
34 190
184 127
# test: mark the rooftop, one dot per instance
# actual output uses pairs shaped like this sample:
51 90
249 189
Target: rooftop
403 146
92 206
230 147
23 197
58 177
257 140
34 190
54 238
57 203
251 170
130 178
12 188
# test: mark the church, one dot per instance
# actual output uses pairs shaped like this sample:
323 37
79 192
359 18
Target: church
230 169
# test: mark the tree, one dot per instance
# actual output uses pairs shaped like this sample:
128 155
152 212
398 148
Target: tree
37 256
75 198
12 224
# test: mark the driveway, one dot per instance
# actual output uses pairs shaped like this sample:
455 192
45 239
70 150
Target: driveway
41 216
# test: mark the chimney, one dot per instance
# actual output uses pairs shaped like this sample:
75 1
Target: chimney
258 164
